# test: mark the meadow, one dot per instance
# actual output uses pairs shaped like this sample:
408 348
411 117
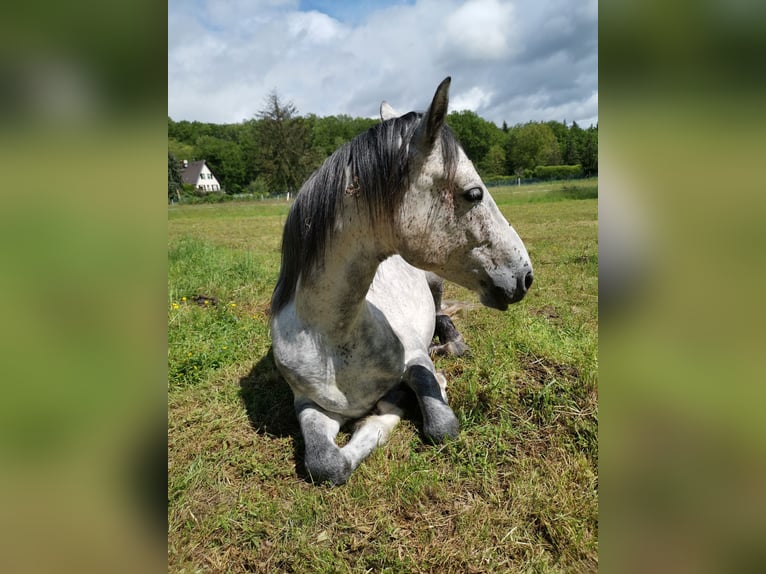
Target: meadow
516 492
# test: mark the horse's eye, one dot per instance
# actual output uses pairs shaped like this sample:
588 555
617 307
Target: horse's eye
474 195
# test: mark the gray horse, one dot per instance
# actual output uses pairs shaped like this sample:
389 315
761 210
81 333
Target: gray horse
353 314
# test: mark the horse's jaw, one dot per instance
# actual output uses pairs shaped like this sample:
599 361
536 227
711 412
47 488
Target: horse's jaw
494 300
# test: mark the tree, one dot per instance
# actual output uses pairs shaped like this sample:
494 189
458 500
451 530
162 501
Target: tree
181 150
570 153
283 152
475 134
533 144
175 183
248 145
589 151
493 163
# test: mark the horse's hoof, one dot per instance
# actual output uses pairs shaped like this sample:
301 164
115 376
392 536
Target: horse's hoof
441 427
331 466
451 349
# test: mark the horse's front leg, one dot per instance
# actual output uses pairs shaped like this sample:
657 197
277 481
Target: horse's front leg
324 460
450 339
439 422
374 430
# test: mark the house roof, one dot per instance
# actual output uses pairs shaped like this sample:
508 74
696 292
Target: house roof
191 173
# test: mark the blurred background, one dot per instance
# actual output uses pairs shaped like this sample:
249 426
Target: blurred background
681 274
83 290
82 286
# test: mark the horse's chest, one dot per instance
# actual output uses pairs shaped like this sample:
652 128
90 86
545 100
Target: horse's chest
367 358
346 376
363 369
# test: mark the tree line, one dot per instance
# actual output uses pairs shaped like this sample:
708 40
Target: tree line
275 151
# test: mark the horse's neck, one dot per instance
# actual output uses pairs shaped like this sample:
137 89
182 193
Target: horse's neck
333 299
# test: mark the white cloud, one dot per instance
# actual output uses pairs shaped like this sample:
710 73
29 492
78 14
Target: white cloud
513 61
473 99
313 27
480 30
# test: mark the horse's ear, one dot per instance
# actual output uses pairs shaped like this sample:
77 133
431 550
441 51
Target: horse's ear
387 112
431 124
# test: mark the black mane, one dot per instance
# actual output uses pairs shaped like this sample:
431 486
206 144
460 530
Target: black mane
374 168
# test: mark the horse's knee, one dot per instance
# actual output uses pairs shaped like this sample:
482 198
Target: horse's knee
327 465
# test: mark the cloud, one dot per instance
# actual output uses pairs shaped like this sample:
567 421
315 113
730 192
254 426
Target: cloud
313 28
510 61
473 99
480 30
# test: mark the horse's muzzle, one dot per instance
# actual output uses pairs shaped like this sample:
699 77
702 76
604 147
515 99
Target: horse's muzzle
499 297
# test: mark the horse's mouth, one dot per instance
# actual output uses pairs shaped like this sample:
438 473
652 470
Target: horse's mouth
497 297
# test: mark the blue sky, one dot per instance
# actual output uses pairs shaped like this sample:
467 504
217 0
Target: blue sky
510 60
349 11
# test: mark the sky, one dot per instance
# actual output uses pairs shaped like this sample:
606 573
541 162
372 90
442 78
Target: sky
510 61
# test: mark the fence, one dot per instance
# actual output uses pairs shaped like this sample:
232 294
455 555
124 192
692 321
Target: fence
505 181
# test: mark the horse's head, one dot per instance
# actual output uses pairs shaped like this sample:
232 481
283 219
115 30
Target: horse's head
448 222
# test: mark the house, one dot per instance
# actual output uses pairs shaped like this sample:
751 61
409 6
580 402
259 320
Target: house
198 174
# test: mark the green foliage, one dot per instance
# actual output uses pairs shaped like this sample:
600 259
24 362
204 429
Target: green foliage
476 135
589 153
280 149
209 197
283 152
182 150
558 171
258 187
175 183
531 145
493 164
331 132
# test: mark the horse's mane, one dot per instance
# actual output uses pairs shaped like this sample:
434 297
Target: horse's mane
374 168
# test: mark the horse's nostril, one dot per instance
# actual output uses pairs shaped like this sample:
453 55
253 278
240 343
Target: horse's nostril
522 285
528 280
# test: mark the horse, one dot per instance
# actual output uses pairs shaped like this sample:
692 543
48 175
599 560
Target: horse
354 311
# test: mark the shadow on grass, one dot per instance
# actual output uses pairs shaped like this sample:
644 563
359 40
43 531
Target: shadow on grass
268 401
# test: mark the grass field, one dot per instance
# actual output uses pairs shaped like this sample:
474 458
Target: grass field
516 492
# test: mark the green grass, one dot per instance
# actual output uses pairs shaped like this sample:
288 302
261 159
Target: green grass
516 492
